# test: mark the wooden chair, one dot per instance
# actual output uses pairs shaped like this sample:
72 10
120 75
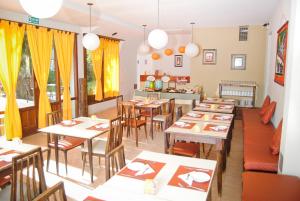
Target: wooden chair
153 96
183 148
119 101
131 120
162 117
55 193
64 143
111 149
27 179
146 112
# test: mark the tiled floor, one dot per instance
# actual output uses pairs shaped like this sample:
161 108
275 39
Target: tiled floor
78 186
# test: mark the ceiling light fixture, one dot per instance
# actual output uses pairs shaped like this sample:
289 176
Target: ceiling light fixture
144 47
192 49
41 8
90 40
158 38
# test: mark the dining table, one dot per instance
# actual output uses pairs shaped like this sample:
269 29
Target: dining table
199 131
152 176
10 149
219 108
225 101
86 128
150 105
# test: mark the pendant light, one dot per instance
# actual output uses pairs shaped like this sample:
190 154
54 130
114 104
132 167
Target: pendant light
41 8
192 49
90 40
158 38
144 47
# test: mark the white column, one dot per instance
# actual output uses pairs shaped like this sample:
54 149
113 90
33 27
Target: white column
290 143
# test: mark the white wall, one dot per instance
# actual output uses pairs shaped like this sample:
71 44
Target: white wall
290 143
166 63
276 91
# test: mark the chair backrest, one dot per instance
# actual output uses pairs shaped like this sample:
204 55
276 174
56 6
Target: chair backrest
169 121
172 107
153 96
119 101
129 112
55 193
114 138
193 103
179 113
28 180
54 117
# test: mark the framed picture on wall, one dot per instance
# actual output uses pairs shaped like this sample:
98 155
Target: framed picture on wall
178 60
238 62
280 65
209 56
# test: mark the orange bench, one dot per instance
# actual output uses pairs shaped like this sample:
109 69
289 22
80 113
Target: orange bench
257 140
270 187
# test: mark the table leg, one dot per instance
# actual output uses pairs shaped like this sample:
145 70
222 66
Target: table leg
56 153
167 142
151 123
90 149
219 150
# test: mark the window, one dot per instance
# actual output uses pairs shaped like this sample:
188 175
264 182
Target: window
91 80
52 81
25 83
243 33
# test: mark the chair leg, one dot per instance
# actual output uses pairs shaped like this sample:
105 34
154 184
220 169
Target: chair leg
84 161
145 127
99 161
48 158
66 161
136 137
107 167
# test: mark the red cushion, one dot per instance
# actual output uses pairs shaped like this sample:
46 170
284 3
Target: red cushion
266 103
259 158
266 118
68 143
186 149
270 187
275 144
257 136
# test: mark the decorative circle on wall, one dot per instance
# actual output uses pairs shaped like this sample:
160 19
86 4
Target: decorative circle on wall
155 56
181 49
168 52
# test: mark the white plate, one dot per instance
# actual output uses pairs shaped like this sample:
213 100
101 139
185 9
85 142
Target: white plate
220 128
193 114
102 126
67 122
200 176
180 123
165 78
151 78
136 166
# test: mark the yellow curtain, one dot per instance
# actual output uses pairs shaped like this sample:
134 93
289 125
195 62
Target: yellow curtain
97 59
111 68
11 42
64 43
40 42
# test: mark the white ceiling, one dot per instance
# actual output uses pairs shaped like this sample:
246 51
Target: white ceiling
127 16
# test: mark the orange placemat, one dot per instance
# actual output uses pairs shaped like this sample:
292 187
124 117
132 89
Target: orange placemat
74 123
156 166
196 116
228 107
209 127
219 117
4 163
98 128
90 198
187 125
200 186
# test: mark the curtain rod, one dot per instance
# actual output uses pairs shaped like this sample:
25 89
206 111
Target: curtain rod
21 23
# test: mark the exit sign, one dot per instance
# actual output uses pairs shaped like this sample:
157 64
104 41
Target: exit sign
33 20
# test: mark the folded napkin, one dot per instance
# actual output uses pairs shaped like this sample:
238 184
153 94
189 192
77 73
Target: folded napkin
193 114
182 124
105 125
8 157
218 128
187 178
145 170
223 117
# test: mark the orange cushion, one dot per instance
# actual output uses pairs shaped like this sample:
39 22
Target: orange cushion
186 149
275 144
269 113
68 143
270 187
266 103
259 158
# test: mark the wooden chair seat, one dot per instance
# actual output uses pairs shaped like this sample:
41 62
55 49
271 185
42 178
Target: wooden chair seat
160 117
98 147
68 143
138 123
4 181
186 149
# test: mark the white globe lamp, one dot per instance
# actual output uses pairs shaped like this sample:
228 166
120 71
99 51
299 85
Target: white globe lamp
144 48
41 8
158 39
191 50
90 41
